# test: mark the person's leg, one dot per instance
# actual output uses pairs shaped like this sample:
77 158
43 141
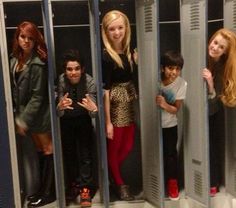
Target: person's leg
127 142
84 151
68 142
216 146
44 140
47 190
170 138
113 147
170 152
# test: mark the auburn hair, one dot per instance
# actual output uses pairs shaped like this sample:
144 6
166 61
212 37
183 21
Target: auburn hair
228 61
39 43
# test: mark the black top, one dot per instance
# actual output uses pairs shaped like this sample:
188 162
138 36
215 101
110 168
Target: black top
215 104
76 92
112 73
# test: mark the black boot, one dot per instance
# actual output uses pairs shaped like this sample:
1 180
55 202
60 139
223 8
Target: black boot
41 177
47 194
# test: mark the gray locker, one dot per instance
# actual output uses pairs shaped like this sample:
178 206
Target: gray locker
150 124
193 46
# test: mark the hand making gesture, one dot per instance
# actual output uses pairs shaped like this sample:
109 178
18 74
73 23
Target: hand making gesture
88 104
65 103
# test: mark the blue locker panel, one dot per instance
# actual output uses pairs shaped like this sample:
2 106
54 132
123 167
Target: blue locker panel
6 187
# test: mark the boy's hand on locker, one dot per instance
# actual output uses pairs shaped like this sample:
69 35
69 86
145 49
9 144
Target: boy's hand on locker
160 101
207 75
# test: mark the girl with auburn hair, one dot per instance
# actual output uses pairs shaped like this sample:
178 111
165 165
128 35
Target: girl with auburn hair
39 45
227 62
221 81
120 94
31 103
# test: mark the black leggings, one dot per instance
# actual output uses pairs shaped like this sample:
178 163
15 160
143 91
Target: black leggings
76 134
216 145
170 138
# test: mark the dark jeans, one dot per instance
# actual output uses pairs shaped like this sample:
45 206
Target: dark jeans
216 145
76 134
170 138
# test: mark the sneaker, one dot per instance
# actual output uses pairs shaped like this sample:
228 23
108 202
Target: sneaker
173 190
213 191
85 198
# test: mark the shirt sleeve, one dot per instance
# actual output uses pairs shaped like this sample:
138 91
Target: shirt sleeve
107 67
60 93
91 88
38 83
181 94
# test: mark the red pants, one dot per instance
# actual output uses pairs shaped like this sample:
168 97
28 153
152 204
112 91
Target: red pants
118 149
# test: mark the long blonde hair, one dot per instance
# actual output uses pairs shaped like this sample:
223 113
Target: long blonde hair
228 93
106 21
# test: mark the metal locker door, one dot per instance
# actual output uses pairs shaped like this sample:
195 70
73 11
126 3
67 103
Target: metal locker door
230 153
230 14
196 148
10 195
100 121
148 68
230 114
58 162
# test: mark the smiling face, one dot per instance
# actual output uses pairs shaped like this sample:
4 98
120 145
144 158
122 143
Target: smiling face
116 32
170 74
26 41
217 47
73 72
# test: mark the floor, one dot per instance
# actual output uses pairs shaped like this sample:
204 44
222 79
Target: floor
221 200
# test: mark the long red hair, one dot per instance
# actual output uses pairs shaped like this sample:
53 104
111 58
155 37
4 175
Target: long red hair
228 61
39 43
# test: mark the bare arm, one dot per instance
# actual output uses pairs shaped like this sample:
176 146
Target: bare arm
109 126
173 109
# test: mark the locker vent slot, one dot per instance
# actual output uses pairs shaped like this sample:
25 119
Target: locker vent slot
198 183
194 16
196 162
154 187
148 18
234 14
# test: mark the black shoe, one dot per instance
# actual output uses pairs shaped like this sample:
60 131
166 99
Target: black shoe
41 161
72 193
48 185
41 201
33 197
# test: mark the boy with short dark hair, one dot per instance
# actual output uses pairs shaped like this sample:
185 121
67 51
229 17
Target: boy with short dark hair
76 104
173 91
